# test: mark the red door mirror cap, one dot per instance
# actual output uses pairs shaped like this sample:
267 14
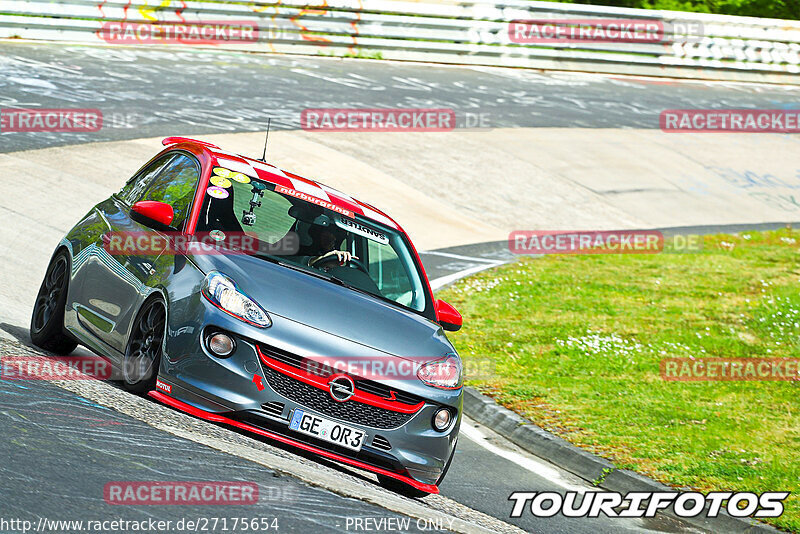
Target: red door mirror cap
160 212
448 316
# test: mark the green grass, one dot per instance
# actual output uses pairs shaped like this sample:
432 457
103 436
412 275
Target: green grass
574 344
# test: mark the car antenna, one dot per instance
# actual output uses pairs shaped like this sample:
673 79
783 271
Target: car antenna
264 155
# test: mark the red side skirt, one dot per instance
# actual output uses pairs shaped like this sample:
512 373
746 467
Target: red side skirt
216 418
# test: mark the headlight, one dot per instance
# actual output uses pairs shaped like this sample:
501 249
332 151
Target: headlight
444 373
221 291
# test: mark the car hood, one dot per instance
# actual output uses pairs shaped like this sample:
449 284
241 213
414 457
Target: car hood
331 308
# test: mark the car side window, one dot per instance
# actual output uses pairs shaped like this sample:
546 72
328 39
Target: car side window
175 185
132 190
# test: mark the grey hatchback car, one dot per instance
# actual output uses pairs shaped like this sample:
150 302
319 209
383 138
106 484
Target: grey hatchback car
249 296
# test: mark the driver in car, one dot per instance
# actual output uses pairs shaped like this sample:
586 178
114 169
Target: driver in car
327 242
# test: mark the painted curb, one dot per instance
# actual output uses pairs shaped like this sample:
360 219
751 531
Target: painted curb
588 466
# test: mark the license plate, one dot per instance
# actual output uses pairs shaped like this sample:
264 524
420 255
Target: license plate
327 430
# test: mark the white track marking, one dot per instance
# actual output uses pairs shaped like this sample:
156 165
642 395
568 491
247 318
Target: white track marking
450 278
460 257
536 467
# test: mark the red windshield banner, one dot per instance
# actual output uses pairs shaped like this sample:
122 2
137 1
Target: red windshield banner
314 200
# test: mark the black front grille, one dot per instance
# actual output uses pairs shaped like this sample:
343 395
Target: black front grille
382 390
369 386
274 409
319 400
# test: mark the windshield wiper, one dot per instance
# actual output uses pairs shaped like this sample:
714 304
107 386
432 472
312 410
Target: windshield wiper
364 291
298 268
323 276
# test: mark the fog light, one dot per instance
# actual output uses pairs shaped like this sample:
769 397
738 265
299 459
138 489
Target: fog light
221 345
442 420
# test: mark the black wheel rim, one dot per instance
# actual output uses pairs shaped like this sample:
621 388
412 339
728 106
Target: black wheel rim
55 281
144 347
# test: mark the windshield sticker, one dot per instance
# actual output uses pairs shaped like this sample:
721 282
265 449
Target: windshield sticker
239 177
364 231
217 235
220 181
314 200
217 192
222 171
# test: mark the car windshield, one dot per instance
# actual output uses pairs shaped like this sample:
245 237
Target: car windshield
303 232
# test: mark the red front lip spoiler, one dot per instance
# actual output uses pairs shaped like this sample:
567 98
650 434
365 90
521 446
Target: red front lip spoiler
216 418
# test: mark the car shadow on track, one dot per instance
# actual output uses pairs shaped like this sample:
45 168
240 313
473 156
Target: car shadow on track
22 335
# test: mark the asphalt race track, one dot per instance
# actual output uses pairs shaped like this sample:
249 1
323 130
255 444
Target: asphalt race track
145 92
61 443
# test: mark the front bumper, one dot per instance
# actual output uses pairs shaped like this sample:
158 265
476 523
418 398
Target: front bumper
216 418
404 446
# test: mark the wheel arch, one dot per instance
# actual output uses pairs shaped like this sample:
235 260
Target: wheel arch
156 294
66 247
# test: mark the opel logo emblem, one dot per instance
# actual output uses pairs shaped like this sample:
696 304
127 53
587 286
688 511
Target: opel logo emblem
341 388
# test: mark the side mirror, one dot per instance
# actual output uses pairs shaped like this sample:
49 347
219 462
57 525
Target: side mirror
150 211
448 316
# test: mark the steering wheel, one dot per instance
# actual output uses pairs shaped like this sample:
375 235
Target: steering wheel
332 259
360 265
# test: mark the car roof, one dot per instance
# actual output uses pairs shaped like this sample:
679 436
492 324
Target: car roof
302 186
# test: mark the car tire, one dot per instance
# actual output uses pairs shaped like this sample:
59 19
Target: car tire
47 320
145 344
